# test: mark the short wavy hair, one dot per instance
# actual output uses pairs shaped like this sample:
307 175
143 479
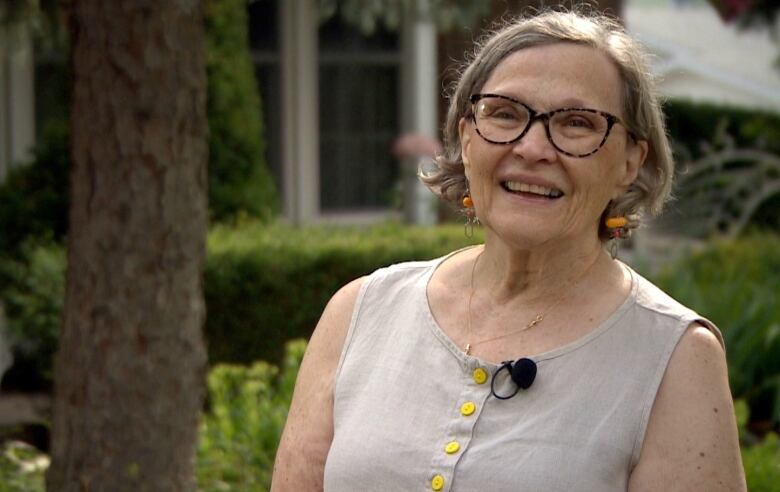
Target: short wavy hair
642 113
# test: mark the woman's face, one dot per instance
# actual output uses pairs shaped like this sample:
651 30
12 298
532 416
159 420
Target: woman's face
528 192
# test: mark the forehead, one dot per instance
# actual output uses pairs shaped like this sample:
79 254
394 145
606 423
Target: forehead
561 74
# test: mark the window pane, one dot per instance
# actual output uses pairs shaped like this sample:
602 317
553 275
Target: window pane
264 25
358 122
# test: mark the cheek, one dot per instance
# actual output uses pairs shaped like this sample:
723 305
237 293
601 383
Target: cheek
479 173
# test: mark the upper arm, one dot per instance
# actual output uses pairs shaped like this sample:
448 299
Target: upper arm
691 440
300 458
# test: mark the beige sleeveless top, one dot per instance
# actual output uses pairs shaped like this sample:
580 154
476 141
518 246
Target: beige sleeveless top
412 412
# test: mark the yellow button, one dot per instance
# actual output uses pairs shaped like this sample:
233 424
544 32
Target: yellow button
468 408
479 375
437 482
452 447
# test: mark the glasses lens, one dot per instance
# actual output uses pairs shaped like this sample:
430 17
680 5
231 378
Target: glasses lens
578 131
500 120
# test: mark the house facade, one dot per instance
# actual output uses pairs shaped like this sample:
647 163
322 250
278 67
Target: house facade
335 99
17 97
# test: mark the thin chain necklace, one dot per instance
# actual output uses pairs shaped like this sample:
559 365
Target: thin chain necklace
535 321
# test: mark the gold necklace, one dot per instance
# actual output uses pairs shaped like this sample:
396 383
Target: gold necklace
537 319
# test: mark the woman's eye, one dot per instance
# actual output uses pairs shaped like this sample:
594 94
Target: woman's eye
506 115
578 122
502 113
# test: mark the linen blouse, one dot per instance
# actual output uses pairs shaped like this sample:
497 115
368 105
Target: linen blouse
412 412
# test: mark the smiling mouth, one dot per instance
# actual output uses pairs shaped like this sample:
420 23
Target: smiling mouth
519 188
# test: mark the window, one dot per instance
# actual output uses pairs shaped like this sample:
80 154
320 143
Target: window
359 117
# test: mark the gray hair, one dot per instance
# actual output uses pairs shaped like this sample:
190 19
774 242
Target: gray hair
642 116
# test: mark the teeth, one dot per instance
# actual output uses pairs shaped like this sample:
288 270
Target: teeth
532 188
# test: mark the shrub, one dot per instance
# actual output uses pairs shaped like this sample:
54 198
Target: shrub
22 468
241 430
239 180
268 284
696 126
735 284
264 284
704 129
762 464
33 291
35 196
761 458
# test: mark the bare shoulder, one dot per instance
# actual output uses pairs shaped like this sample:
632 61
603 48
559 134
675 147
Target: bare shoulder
691 441
303 449
328 337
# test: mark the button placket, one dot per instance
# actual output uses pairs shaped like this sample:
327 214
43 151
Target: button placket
459 431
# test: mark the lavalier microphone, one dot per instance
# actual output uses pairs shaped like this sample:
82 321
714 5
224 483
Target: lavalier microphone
522 372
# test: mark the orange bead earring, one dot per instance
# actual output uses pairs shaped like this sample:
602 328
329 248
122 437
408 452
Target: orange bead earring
616 227
471 215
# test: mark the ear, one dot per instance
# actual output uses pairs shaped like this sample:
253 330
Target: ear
465 142
636 153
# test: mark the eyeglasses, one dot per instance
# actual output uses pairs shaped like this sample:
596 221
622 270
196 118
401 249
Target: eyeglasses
576 132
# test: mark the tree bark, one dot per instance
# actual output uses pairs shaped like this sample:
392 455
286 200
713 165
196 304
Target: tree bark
131 363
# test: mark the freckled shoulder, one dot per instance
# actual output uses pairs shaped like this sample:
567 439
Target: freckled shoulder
691 441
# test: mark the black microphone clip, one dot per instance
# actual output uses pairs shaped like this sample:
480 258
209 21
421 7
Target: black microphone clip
522 372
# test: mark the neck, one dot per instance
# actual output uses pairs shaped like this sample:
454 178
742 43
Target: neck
539 273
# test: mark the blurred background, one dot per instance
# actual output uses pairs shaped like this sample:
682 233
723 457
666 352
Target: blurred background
320 114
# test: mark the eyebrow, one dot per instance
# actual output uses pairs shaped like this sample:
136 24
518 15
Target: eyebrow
573 102
569 102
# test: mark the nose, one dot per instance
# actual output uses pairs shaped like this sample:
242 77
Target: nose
535 144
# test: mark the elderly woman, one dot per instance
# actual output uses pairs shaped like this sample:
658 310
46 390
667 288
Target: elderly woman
536 361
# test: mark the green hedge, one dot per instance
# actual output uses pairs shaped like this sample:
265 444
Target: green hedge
34 197
736 285
264 283
240 431
32 289
267 284
696 125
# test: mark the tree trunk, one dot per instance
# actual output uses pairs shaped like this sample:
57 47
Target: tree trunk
131 363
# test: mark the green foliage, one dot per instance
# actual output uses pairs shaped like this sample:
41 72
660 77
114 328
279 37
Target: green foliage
32 288
735 284
35 196
267 284
762 464
698 127
240 432
239 180
761 458
22 468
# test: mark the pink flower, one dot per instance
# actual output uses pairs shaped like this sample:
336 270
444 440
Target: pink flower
730 10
